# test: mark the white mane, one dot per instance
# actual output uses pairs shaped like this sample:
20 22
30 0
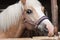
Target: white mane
10 15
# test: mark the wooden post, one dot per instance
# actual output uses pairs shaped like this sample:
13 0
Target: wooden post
45 38
54 9
16 39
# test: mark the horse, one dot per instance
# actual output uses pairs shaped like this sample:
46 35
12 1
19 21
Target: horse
15 18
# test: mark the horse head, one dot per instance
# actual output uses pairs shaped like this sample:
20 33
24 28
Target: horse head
34 15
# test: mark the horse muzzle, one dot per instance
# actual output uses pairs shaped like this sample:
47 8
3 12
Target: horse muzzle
40 21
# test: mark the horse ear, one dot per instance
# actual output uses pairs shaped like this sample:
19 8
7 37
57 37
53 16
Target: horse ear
23 1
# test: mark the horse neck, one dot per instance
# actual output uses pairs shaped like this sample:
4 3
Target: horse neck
14 31
21 28
10 15
12 18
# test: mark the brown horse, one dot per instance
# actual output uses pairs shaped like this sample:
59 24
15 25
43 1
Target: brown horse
14 19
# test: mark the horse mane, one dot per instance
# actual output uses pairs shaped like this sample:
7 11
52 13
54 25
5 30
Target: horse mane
10 15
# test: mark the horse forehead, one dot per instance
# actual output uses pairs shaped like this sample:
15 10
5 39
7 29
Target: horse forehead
33 7
36 7
33 3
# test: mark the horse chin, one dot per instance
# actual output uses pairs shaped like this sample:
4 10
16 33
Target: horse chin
43 29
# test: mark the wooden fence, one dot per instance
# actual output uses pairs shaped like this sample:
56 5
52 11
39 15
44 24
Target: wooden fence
34 38
54 10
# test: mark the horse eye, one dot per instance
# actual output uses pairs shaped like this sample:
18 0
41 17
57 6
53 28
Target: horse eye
29 11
